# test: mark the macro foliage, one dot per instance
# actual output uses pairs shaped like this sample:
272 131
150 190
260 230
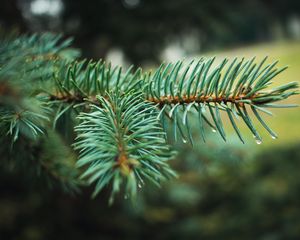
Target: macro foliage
120 123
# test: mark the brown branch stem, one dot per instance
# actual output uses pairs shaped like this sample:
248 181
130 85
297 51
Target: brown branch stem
198 99
162 100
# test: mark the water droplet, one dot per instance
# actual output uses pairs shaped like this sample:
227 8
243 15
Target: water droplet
125 196
213 130
258 141
274 137
139 185
184 140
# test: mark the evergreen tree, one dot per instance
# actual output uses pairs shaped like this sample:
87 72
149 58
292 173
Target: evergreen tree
72 122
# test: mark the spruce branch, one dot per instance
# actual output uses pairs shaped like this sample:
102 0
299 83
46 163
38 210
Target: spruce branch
122 141
121 118
177 90
27 64
200 86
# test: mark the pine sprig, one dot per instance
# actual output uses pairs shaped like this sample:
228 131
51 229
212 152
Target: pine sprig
27 64
122 141
178 90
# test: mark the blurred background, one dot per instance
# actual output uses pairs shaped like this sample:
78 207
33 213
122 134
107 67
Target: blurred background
225 191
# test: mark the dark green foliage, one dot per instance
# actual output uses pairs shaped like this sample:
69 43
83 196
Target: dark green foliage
255 200
27 141
119 116
47 162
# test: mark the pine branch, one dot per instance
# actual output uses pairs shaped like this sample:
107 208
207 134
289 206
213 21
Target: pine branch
124 116
175 88
126 134
27 64
185 89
